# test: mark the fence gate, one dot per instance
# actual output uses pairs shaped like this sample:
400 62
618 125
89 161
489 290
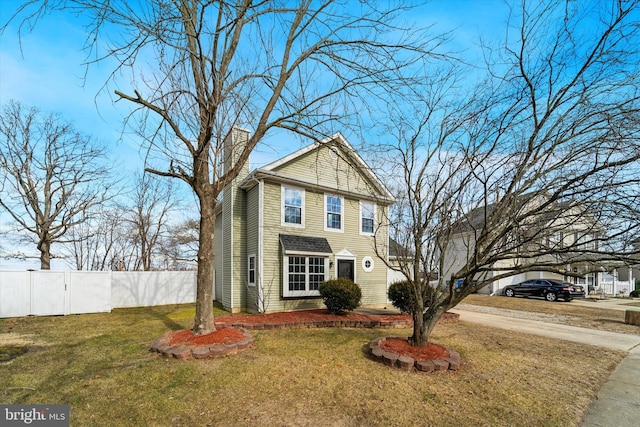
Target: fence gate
50 293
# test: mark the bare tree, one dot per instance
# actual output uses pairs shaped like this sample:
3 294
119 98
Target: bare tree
99 243
153 202
53 176
180 248
258 65
538 170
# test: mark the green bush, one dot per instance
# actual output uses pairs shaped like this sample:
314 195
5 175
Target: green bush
401 297
340 295
635 294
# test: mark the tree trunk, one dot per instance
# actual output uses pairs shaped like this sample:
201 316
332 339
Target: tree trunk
423 325
204 322
45 255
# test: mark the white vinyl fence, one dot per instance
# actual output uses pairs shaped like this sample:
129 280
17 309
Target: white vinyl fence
611 285
42 293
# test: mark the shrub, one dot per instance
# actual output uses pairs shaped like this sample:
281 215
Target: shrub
340 295
635 294
401 297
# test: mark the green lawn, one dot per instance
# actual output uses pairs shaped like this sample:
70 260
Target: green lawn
100 365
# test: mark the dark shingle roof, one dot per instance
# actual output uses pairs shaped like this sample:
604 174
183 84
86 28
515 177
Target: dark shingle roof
292 243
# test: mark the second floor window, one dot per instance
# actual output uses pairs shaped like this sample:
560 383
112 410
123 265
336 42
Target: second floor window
334 212
292 206
367 214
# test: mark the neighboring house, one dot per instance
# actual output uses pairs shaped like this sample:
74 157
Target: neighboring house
623 280
542 237
284 228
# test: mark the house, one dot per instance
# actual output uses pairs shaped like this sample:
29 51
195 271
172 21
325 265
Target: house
625 278
284 228
561 235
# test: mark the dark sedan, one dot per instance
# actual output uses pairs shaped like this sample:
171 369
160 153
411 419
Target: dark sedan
549 289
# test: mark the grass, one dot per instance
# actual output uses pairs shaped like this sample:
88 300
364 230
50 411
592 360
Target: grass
100 365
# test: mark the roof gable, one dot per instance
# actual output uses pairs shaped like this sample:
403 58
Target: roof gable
329 165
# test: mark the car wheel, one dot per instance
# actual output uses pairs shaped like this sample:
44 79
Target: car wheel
509 292
551 296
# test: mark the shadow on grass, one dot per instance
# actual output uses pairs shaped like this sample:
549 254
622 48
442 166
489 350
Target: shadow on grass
8 353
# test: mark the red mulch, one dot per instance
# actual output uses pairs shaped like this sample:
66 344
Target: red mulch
225 335
220 336
304 316
401 346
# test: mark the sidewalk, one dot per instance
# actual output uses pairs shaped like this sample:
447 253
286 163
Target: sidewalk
618 401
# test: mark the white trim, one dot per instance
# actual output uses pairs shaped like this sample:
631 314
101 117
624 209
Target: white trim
286 293
342 218
371 264
366 233
231 250
346 255
283 187
249 282
260 265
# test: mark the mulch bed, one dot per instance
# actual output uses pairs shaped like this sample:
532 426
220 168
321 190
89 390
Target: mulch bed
311 318
232 336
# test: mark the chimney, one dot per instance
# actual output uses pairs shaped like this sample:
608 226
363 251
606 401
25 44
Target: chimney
234 143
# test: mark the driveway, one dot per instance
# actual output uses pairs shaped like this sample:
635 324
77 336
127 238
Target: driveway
618 401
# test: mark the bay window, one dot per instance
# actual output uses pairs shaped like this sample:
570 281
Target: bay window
303 275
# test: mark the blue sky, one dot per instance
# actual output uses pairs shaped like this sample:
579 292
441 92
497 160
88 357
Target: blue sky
46 71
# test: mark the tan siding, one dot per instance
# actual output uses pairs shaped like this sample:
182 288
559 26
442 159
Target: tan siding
239 260
252 242
219 257
373 283
320 168
225 297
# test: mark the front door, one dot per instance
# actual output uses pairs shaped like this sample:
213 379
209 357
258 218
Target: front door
346 269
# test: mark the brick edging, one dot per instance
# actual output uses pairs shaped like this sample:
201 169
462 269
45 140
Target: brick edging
336 323
183 352
407 363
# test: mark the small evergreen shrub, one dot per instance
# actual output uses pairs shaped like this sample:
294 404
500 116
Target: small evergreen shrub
400 295
340 295
635 294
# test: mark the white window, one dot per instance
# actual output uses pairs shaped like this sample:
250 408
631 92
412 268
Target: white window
303 275
251 270
367 264
367 216
292 206
334 208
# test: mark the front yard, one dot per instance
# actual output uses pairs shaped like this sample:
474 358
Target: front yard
101 366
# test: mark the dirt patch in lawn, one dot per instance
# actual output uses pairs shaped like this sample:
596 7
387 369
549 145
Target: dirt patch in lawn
14 340
13 345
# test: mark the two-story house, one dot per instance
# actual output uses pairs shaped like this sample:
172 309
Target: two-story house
560 235
284 228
